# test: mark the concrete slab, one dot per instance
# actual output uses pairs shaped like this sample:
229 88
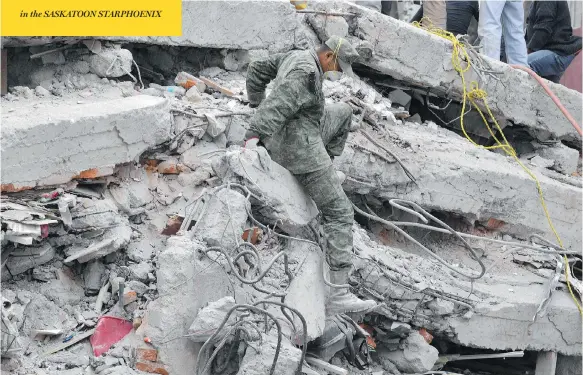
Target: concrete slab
503 302
52 145
307 291
229 24
457 177
516 96
283 198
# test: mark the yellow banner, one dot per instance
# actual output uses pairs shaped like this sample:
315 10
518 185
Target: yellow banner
91 18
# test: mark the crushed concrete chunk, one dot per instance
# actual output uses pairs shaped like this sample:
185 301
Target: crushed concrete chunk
259 362
565 158
219 228
89 137
396 51
292 208
22 260
417 356
111 62
210 317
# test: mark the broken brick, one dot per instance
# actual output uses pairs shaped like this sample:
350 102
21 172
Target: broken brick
173 225
147 354
129 297
494 224
256 235
152 367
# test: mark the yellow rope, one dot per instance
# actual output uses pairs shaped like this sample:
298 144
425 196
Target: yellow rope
458 57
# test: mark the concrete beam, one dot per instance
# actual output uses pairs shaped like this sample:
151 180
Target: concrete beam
421 59
47 145
230 24
502 305
457 177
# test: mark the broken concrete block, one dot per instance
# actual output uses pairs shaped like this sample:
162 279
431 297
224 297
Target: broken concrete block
235 60
290 207
210 317
565 158
541 162
185 285
24 259
193 95
112 62
325 27
41 91
140 271
441 307
460 175
195 178
224 219
400 98
202 153
41 313
89 137
92 277
307 291
397 55
416 355
139 287
112 240
259 362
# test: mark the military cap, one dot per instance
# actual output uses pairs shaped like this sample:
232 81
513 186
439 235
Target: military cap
344 52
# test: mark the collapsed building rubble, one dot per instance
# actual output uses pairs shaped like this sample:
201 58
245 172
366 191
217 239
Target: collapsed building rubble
128 202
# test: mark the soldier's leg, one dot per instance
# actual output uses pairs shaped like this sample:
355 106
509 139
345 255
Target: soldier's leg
335 126
323 186
337 218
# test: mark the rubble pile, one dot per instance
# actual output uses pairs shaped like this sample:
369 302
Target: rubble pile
140 236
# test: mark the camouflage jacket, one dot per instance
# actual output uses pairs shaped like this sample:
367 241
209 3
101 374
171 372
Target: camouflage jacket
288 121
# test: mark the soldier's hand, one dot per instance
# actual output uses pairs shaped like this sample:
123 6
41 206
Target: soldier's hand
251 139
253 105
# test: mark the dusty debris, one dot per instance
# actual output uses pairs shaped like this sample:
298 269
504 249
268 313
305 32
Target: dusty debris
149 210
416 356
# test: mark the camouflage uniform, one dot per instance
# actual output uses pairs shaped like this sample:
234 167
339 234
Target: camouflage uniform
302 133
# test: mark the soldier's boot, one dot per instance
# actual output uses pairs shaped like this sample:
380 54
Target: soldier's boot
341 300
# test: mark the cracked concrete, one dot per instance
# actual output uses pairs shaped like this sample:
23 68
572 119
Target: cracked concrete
457 177
396 53
270 25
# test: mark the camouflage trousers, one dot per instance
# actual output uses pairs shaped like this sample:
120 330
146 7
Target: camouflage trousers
325 188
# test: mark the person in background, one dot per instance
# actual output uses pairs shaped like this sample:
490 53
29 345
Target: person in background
550 40
503 18
435 11
459 16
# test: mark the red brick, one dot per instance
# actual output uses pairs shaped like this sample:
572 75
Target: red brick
10 188
147 354
493 224
152 367
129 297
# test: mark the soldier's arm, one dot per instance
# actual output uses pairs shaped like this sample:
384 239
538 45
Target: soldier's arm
283 103
259 74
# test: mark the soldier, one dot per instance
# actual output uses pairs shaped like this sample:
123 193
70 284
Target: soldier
303 134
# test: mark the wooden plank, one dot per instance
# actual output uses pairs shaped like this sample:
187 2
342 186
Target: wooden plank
327 366
73 341
217 87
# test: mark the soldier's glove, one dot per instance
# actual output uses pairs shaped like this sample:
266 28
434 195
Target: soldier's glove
251 139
